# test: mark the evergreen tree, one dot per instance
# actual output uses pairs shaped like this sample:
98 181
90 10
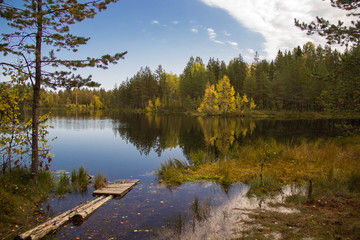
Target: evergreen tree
47 22
337 33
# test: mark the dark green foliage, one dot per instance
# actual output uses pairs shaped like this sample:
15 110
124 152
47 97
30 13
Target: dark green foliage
308 78
337 32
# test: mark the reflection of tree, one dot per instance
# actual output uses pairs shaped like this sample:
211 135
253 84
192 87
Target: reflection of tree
150 132
199 139
222 132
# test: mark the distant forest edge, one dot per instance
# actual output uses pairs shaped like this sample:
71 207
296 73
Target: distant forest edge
308 78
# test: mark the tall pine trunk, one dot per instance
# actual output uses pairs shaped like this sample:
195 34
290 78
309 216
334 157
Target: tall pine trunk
36 97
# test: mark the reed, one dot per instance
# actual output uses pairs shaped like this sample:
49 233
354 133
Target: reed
100 181
63 185
80 179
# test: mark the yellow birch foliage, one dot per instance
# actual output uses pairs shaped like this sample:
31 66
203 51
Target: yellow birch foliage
225 96
150 106
157 104
209 104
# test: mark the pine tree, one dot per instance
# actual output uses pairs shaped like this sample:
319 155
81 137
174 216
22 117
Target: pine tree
337 33
42 23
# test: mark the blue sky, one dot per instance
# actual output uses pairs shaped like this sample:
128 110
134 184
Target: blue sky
169 32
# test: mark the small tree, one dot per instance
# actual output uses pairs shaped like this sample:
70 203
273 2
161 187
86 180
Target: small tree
225 96
157 104
150 106
209 104
47 22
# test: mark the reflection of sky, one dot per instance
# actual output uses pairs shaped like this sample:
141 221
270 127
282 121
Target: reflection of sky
93 144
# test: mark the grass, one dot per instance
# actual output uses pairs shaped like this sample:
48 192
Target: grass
20 199
100 181
291 163
332 165
63 187
326 218
79 179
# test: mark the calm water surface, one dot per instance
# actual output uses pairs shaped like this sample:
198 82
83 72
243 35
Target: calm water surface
132 146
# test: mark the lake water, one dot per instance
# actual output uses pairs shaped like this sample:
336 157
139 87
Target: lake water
132 146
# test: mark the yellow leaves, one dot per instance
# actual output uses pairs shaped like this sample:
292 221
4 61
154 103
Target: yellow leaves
222 100
154 107
150 106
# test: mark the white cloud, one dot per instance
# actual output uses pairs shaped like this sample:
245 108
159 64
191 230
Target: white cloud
175 22
226 33
155 22
274 20
251 51
212 36
232 43
194 30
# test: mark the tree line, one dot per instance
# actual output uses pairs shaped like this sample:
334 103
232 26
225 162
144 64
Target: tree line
308 78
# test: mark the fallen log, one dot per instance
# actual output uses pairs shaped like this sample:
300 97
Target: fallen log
82 215
54 223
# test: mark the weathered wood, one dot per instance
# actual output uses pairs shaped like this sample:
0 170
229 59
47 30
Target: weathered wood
56 222
80 213
117 189
81 216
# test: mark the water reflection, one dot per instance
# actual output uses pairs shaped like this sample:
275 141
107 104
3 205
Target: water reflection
123 146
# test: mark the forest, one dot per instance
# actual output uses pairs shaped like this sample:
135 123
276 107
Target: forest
308 78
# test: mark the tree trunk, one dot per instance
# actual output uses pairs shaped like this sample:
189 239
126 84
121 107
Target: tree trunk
36 97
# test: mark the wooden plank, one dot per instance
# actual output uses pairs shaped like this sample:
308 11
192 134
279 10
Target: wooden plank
55 223
118 189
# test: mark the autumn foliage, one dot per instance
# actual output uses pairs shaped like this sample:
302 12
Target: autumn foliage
222 100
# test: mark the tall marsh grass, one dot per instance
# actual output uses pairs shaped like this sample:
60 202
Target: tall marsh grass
100 181
330 163
80 179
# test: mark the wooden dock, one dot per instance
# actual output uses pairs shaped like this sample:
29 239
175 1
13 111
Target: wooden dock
117 189
81 212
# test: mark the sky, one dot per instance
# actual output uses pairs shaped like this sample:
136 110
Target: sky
169 32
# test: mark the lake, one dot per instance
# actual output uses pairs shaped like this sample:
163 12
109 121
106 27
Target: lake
132 146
